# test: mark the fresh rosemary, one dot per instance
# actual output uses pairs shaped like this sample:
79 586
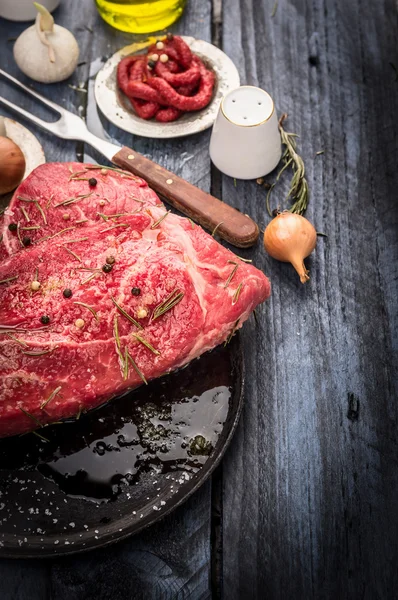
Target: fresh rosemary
237 293
231 335
231 275
51 397
41 211
72 200
157 223
126 364
174 298
125 314
90 308
83 239
115 227
298 191
135 366
73 254
9 279
41 353
31 417
21 342
213 233
146 344
117 341
25 214
41 436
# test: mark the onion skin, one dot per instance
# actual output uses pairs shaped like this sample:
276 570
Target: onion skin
12 165
291 238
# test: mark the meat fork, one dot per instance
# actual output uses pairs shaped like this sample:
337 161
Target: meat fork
213 214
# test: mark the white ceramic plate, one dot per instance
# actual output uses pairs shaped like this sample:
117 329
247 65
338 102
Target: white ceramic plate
114 105
28 143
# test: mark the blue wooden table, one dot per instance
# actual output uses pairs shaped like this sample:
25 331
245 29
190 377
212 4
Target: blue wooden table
305 502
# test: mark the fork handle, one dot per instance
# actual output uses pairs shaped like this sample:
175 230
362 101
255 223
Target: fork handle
233 226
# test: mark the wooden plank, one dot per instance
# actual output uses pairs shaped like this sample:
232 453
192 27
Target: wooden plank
309 485
169 561
172 559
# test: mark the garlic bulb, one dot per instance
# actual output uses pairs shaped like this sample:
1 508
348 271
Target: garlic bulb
46 52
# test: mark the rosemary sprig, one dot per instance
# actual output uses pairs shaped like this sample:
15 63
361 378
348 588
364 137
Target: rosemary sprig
41 353
213 233
246 260
31 228
19 234
31 417
174 298
115 227
117 343
50 237
237 293
157 223
137 199
72 200
192 223
25 214
40 436
81 221
231 335
83 239
126 364
89 278
9 279
21 342
146 344
51 396
125 314
73 254
298 191
274 9
79 413
106 217
231 275
136 368
90 308
99 167
41 211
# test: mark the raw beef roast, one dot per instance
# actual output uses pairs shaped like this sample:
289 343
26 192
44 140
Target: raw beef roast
103 290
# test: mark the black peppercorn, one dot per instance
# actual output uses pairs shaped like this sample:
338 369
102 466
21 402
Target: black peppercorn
107 268
170 37
110 260
135 291
92 181
151 64
67 293
13 227
26 241
45 319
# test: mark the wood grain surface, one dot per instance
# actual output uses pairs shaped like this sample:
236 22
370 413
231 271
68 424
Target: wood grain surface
305 504
310 482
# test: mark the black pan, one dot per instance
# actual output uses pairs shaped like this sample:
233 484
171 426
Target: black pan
122 467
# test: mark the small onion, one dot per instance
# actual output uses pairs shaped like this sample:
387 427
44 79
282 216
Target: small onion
12 165
291 238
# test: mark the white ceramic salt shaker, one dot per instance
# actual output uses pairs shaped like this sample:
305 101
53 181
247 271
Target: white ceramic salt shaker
245 141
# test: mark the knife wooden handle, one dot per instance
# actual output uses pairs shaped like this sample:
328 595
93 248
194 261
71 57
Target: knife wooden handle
233 226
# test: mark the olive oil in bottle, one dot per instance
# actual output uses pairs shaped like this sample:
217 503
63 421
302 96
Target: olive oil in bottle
140 16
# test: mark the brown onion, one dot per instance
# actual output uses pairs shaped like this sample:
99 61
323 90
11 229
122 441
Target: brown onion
291 238
12 165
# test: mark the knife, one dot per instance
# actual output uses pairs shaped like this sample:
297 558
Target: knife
233 226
